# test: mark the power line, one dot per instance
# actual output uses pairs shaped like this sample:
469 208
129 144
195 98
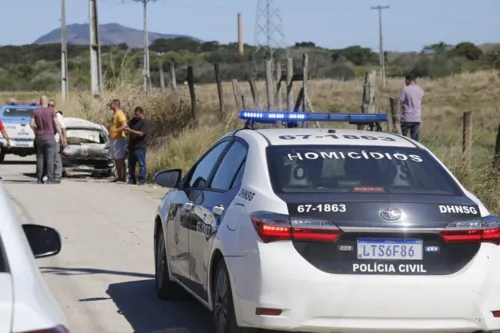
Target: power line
381 43
269 31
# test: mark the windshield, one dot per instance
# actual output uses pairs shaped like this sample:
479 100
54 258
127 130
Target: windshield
18 112
79 136
318 169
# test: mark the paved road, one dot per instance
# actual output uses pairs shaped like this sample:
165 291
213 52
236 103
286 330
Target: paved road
103 278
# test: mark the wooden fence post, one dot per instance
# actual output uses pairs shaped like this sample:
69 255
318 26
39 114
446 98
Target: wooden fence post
255 94
299 100
269 85
289 83
279 96
236 93
190 80
467 137
219 90
243 104
368 104
162 79
496 158
395 116
173 78
305 64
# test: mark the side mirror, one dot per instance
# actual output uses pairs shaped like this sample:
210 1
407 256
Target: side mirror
44 241
168 178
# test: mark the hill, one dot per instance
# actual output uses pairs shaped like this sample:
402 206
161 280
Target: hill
110 34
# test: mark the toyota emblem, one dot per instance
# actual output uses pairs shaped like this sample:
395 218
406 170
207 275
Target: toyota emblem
390 214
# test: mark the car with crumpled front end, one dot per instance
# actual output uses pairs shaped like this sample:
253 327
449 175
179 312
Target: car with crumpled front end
87 150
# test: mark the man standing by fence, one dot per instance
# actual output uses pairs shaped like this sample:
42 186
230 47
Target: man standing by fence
138 127
411 107
44 123
118 141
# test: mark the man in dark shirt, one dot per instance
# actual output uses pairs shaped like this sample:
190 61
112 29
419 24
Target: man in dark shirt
138 129
45 124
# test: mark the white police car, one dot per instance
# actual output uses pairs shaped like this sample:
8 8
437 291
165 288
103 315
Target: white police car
16 119
327 230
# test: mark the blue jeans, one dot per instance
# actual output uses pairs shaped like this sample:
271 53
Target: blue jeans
414 129
137 156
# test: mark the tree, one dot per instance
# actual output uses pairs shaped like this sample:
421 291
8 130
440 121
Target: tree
436 48
468 50
304 44
356 54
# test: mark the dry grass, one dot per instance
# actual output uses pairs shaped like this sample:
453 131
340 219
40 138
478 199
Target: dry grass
178 142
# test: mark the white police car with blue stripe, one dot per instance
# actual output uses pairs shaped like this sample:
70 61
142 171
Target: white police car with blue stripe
327 230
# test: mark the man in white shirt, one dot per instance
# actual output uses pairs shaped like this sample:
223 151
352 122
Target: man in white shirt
58 167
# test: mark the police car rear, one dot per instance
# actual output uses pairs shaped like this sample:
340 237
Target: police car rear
379 237
16 118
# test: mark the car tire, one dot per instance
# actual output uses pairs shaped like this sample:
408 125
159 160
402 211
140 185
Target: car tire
224 315
165 289
2 156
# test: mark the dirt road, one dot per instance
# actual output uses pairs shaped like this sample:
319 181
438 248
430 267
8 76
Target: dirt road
104 276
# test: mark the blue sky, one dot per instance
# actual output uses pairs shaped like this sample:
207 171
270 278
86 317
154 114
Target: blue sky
408 24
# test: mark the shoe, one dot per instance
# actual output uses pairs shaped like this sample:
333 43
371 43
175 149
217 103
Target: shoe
39 181
116 180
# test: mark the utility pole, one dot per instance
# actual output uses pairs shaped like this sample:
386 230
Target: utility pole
95 52
146 69
381 45
64 53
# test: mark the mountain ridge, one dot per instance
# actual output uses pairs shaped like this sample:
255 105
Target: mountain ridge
109 33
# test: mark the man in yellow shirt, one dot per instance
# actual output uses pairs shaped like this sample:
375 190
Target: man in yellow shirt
118 141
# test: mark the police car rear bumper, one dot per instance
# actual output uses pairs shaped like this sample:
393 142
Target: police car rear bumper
18 144
277 277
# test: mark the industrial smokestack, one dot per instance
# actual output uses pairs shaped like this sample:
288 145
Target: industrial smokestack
241 50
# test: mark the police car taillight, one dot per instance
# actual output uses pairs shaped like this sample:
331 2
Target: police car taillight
273 227
486 230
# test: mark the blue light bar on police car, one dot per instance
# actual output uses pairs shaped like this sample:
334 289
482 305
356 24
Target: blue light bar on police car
353 118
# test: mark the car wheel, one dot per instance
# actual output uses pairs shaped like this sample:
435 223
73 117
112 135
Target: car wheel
2 156
223 305
165 289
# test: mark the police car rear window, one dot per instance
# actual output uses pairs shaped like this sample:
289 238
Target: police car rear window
374 169
18 112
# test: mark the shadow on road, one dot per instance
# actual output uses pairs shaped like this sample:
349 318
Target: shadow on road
137 302
74 177
18 181
19 162
87 271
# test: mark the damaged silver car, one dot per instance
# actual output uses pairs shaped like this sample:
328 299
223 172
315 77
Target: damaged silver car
87 150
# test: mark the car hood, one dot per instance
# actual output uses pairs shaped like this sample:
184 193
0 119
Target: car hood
6 302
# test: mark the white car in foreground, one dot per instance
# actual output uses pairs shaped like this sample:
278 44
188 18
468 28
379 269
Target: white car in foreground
26 304
327 230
